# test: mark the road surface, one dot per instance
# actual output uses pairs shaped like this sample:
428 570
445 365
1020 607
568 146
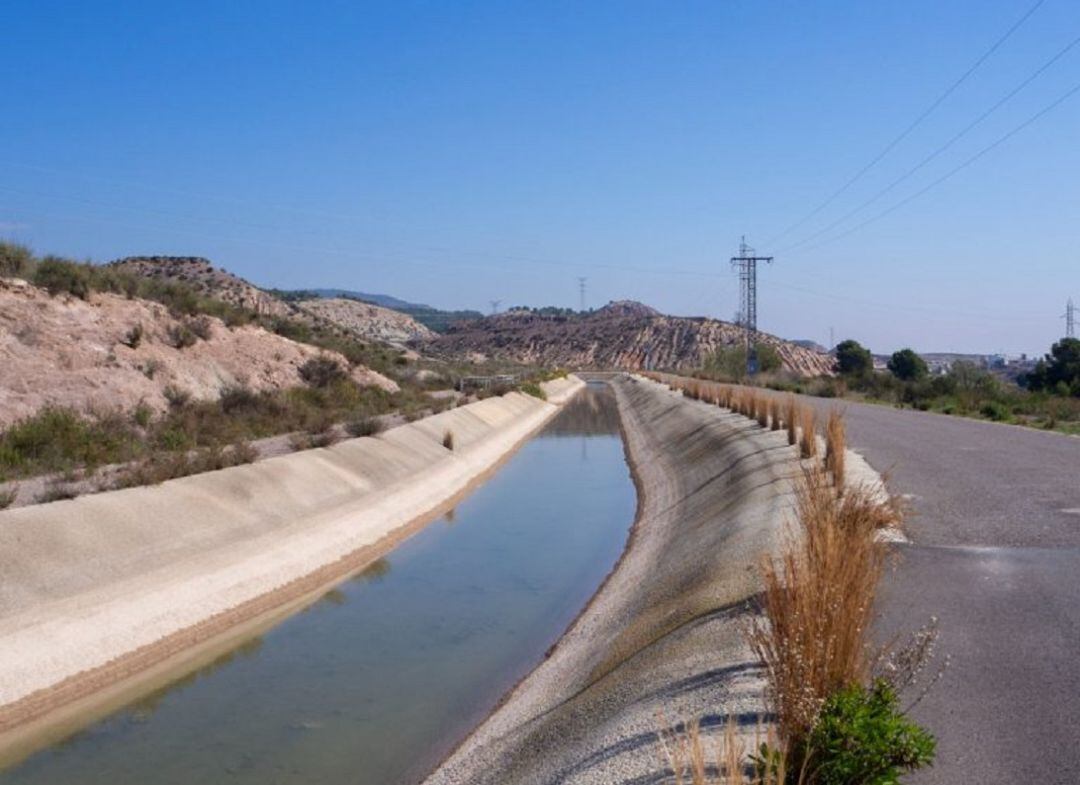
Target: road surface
995 554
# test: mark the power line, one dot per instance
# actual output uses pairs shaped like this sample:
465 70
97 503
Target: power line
912 126
955 138
956 169
407 257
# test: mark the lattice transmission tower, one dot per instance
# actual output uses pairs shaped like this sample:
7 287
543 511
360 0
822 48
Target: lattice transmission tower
746 263
1070 319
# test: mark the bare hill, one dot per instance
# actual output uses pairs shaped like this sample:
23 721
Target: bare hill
621 335
368 322
64 351
208 280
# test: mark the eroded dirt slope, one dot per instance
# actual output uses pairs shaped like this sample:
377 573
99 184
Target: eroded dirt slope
368 322
64 351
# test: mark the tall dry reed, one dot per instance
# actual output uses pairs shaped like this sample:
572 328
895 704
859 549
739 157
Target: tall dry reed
835 445
791 419
808 433
818 602
761 410
775 415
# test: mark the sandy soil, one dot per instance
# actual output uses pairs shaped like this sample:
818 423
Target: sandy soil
63 351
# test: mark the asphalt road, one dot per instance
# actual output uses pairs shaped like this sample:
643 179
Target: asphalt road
995 555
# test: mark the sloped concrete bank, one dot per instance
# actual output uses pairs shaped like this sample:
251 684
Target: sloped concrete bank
662 639
100 588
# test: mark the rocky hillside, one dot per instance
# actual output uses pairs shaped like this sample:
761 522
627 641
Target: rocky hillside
368 322
110 353
208 280
620 335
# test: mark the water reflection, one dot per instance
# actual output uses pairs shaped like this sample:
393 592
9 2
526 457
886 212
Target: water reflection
386 672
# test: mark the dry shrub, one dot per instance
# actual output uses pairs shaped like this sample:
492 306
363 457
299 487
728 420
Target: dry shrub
818 602
761 410
686 756
775 415
790 411
808 435
835 444
448 440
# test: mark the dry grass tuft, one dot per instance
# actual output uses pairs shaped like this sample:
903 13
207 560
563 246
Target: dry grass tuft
790 412
686 756
818 602
448 440
808 433
761 410
835 444
775 414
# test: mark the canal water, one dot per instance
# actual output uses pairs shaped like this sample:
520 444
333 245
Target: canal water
381 678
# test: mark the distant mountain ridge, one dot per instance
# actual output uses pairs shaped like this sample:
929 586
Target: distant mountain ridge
435 319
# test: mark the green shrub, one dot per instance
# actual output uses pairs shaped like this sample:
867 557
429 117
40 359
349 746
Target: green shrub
16 261
535 390
134 337
365 426
58 439
322 371
862 737
176 397
201 326
142 415
59 276
993 410
181 336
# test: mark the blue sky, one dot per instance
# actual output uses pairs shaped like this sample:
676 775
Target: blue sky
455 153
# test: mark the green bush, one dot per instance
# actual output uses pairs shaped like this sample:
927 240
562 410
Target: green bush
59 276
992 410
134 337
365 426
16 261
322 371
181 336
535 390
59 439
862 737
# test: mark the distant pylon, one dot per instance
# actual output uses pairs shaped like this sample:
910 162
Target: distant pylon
495 306
581 290
1070 319
746 264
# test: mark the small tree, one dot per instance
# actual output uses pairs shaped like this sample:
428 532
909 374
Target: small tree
852 358
907 366
1059 370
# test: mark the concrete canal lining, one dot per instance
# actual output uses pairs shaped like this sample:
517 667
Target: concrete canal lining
102 587
662 639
